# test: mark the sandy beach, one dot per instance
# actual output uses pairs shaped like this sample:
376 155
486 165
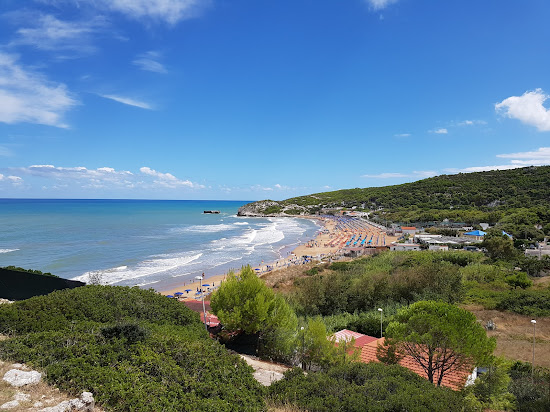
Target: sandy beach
335 236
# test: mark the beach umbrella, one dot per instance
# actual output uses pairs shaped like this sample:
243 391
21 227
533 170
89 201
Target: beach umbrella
178 293
169 296
188 290
206 284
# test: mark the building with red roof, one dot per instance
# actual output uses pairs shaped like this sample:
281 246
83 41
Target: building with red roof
455 379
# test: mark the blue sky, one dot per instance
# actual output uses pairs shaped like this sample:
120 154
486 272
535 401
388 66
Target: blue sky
255 99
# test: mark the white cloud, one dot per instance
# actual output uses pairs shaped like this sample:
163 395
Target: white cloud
77 173
128 101
538 157
471 122
14 180
441 130
380 4
386 175
417 174
170 11
167 179
149 62
46 32
402 135
425 173
104 177
28 97
481 168
528 109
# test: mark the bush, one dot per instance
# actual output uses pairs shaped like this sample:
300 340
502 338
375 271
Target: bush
362 387
134 349
526 302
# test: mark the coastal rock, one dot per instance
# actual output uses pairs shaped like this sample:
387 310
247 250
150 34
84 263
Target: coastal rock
86 403
17 378
22 397
10 405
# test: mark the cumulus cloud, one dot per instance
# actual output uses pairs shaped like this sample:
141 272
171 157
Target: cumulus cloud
380 4
46 32
167 179
441 130
402 135
128 101
28 97
527 108
150 62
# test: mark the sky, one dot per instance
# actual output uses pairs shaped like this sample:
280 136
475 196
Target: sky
258 99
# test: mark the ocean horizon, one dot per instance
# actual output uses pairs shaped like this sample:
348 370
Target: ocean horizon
158 244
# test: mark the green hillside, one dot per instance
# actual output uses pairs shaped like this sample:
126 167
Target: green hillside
499 189
516 200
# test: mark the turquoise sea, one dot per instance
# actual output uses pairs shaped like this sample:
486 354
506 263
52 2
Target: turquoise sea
148 243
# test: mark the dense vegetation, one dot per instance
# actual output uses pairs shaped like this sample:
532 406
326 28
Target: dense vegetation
363 387
33 271
499 189
134 349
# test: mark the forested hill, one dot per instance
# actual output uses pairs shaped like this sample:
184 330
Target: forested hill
526 187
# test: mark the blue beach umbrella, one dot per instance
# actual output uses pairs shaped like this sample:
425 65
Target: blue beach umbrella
188 290
206 284
169 296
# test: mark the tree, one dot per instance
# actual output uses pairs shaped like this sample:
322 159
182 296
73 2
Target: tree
244 303
498 245
315 348
440 337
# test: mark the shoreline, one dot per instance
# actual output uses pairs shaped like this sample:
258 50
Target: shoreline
215 280
328 243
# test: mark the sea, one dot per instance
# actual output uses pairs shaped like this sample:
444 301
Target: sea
157 244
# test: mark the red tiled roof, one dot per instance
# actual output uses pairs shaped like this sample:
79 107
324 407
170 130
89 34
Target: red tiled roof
348 335
408 228
211 320
455 379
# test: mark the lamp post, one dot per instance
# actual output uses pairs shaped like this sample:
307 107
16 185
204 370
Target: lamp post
534 322
199 278
303 347
381 315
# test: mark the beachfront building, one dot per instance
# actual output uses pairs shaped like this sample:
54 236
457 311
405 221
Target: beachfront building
404 246
438 248
455 380
476 234
409 230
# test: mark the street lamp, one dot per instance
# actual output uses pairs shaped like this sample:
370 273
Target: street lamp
534 322
303 347
381 314
199 278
